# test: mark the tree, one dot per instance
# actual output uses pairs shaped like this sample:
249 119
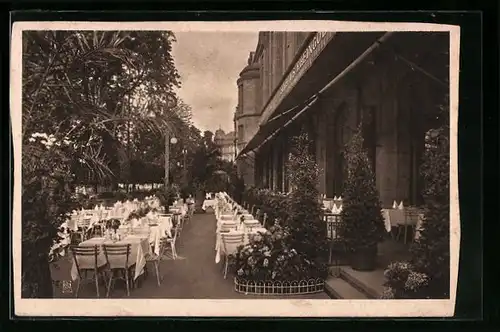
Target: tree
427 274
308 231
83 90
431 251
92 85
362 222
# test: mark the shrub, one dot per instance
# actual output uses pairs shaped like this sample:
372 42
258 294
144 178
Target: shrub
430 254
308 231
106 195
46 201
363 224
405 282
270 257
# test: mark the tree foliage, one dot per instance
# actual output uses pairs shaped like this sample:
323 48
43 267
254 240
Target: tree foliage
427 274
363 224
308 232
431 251
85 91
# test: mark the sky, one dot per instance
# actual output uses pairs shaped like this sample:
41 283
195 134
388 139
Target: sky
209 64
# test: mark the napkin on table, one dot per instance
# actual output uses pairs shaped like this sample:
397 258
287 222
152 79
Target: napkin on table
394 205
400 206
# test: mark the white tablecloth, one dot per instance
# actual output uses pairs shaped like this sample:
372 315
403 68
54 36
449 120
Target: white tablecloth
242 229
163 229
138 250
209 203
395 217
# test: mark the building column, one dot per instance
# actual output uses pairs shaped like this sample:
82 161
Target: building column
321 138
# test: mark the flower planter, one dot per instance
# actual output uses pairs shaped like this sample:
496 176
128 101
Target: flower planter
364 259
276 287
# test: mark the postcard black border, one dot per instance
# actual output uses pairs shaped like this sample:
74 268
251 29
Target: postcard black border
469 295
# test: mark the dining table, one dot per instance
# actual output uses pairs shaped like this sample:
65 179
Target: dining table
397 217
139 250
241 228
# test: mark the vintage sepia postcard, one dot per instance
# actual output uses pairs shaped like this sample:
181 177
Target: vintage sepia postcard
220 169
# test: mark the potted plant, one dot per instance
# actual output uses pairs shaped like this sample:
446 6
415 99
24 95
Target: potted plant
363 225
304 217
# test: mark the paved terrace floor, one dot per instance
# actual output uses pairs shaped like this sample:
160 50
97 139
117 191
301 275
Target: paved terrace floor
194 275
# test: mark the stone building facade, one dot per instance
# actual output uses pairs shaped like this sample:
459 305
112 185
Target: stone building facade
226 144
389 84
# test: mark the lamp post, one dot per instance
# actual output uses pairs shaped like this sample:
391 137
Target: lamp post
184 154
168 141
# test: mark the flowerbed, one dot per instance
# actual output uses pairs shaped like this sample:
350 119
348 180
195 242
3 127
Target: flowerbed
269 257
290 257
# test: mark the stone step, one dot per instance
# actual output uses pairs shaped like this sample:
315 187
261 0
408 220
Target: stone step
337 288
369 283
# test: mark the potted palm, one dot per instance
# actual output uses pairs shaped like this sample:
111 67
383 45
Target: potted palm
363 226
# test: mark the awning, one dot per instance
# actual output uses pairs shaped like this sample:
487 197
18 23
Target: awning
268 129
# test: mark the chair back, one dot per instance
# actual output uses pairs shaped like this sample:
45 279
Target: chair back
251 227
175 232
264 219
231 242
86 253
84 222
411 215
227 217
333 224
227 227
117 255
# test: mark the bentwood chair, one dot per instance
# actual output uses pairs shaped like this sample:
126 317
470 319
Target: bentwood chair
226 227
120 264
83 225
87 261
172 242
264 219
155 259
230 244
411 215
178 221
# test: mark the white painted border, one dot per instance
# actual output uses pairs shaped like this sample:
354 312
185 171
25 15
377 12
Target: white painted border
236 308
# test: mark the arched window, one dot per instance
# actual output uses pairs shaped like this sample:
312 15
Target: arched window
241 134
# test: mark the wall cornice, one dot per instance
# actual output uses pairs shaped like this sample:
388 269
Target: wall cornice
236 118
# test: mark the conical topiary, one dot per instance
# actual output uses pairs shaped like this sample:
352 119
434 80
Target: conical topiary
308 231
363 224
